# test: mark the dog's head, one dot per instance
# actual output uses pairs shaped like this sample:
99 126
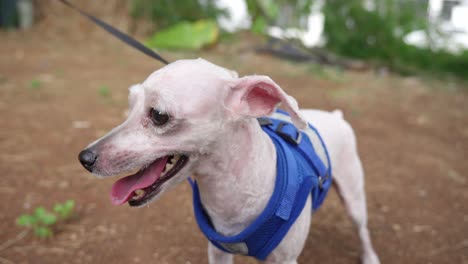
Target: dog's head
175 118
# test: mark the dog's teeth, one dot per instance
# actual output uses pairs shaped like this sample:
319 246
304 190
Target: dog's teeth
170 159
169 167
138 194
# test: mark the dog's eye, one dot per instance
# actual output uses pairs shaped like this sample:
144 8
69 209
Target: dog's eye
159 118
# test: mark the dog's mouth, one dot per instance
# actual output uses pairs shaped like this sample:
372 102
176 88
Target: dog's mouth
140 188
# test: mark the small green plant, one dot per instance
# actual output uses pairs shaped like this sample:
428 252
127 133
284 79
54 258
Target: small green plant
35 84
104 91
43 221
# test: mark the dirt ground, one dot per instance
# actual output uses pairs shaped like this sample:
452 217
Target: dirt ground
412 136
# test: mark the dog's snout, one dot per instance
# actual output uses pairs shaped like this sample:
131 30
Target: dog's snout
87 159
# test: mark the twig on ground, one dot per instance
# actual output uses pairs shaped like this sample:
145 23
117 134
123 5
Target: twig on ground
462 245
11 242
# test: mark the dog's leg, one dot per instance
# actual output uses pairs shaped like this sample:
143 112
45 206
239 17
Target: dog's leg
217 256
349 179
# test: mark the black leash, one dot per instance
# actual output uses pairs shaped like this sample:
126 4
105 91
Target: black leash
118 34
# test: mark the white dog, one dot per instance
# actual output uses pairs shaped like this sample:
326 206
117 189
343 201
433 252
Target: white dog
195 118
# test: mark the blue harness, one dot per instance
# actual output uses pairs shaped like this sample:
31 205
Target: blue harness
302 169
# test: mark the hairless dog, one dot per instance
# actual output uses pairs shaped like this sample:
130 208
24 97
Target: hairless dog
194 118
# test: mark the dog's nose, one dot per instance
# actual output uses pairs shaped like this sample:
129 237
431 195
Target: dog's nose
87 159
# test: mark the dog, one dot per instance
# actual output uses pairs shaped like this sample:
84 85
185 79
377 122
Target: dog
194 118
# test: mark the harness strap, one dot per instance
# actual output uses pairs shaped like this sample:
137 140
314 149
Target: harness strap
300 172
269 228
311 140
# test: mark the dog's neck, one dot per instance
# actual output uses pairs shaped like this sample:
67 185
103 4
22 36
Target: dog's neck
238 178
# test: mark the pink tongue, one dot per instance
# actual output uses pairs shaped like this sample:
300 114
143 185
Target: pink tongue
123 189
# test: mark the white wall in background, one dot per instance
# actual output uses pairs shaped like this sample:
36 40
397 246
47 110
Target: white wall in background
449 32
238 18
313 34
460 17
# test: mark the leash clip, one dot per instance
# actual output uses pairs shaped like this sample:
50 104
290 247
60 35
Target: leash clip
322 180
295 141
264 121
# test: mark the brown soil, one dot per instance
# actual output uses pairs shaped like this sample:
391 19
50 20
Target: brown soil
412 135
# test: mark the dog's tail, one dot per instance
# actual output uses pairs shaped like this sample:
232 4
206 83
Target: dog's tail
338 113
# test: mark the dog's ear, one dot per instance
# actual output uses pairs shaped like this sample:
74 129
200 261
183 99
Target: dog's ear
257 96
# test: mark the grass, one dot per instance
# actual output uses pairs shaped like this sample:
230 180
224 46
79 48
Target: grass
104 91
35 84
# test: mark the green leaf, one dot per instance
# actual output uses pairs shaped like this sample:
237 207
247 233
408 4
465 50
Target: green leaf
64 210
45 217
43 232
26 220
186 35
48 219
58 208
68 206
39 212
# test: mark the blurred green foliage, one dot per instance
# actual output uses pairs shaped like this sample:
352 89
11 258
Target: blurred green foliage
165 13
374 34
186 35
259 25
354 31
351 30
268 12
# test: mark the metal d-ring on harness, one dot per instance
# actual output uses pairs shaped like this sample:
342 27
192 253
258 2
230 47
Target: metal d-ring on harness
293 140
264 121
323 179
